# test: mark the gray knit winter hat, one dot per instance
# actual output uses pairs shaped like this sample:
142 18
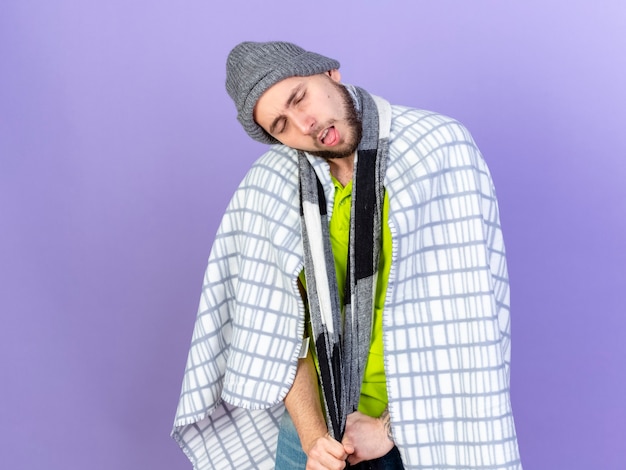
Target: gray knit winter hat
253 67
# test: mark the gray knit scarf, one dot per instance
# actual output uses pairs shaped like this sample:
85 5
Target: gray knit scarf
342 342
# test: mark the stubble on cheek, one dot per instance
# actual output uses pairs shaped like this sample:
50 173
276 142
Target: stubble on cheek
353 125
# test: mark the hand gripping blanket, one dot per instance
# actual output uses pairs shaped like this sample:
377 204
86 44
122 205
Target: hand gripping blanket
446 324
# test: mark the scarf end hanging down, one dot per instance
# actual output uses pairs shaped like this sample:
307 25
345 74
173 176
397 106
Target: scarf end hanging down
342 341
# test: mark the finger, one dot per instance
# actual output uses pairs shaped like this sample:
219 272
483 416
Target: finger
336 448
328 461
348 447
328 451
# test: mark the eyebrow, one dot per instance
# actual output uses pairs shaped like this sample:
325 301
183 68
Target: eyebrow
288 103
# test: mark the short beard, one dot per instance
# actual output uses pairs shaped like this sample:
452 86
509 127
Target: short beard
354 124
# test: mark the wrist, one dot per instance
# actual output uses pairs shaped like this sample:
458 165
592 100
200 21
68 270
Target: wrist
385 420
309 439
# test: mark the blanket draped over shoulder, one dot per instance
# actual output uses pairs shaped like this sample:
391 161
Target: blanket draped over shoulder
446 323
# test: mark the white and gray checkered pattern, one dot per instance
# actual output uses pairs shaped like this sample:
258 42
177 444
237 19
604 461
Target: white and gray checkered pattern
446 317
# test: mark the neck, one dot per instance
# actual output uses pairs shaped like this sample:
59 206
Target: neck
342 168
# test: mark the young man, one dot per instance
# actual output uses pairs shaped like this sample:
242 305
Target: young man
358 280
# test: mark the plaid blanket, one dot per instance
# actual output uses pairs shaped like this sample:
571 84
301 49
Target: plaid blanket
446 320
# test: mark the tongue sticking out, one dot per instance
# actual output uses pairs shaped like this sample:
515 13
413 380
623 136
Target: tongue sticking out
331 137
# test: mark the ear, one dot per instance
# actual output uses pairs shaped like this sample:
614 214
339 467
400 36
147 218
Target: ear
335 75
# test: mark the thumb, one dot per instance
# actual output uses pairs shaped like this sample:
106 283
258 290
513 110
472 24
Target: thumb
348 447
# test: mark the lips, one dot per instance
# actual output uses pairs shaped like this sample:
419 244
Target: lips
329 136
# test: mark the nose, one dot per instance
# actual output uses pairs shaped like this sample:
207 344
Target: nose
304 122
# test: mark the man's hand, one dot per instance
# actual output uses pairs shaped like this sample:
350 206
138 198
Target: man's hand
304 406
368 437
327 454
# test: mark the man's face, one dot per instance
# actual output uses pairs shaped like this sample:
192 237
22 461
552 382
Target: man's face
314 114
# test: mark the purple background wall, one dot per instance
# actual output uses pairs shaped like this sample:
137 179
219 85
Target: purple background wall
119 150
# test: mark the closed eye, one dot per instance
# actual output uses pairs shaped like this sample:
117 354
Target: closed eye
278 126
280 123
300 98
